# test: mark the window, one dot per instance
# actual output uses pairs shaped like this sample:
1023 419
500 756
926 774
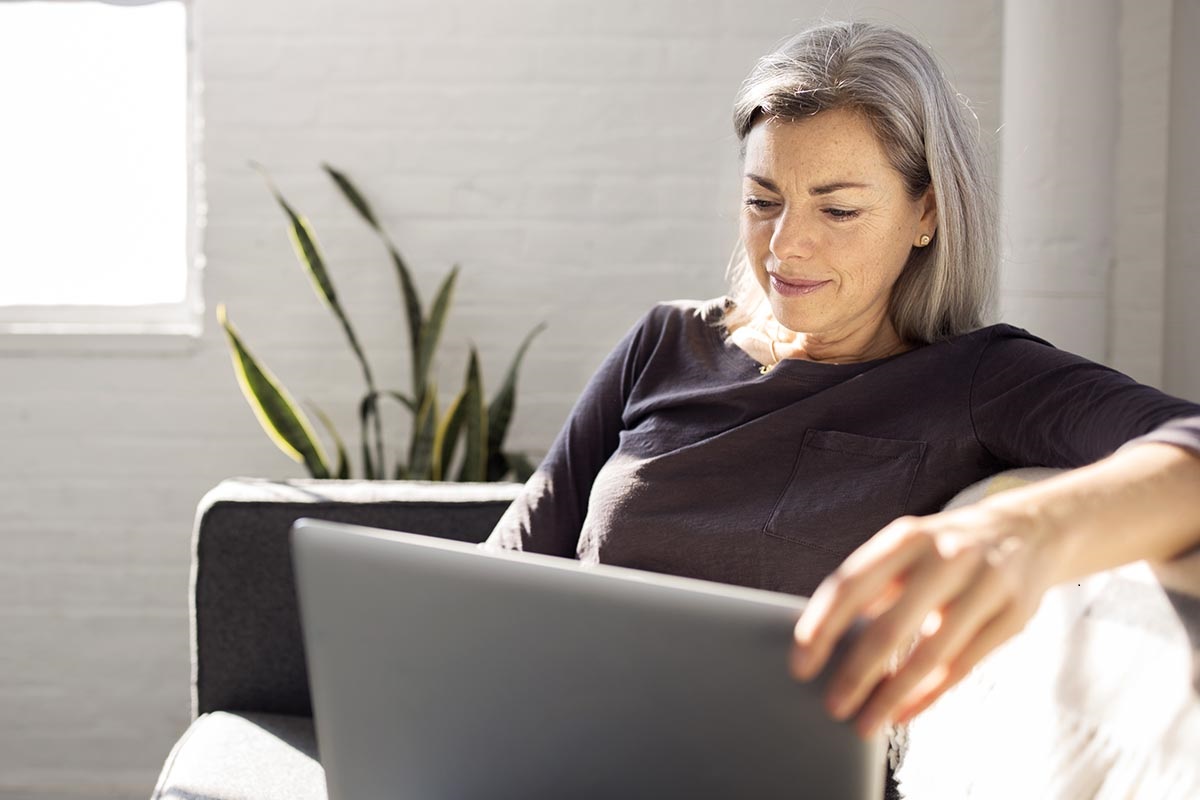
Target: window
96 196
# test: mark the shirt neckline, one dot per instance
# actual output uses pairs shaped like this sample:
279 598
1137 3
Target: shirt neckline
794 368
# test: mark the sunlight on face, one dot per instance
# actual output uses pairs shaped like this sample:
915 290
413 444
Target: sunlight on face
828 225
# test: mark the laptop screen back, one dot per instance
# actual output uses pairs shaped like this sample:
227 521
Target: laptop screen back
442 671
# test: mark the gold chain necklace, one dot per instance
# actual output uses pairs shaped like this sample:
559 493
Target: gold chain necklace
765 368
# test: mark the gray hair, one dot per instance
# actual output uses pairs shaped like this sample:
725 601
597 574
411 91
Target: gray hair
931 137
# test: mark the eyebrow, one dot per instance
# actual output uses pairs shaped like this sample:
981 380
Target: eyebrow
825 188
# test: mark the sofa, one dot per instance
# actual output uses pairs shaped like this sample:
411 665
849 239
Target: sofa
1099 697
251 735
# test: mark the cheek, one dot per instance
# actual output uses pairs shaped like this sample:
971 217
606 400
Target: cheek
744 229
866 258
755 234
895 254
878 242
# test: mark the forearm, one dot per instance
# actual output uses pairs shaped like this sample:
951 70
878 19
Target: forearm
1139 503
961 582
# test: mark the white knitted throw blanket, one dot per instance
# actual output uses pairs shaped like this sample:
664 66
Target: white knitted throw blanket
1096 698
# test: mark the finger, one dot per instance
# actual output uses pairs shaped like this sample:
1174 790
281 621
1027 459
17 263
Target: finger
841 597
879 604
961 621
885 599
933 582
997 631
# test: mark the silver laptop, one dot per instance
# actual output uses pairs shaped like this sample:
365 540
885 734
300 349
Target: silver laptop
440 671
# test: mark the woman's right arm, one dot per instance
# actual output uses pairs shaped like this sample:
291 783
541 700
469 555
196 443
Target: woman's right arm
549 513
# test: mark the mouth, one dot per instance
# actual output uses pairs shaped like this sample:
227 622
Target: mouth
795 287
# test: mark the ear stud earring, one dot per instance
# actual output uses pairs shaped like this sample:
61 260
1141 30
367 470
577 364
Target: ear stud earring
923 241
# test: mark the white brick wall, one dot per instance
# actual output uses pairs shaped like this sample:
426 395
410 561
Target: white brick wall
1136 302
1182 351
574 156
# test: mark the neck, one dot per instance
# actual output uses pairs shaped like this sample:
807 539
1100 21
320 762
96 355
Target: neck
858 346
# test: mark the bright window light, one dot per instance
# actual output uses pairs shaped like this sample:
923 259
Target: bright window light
93 154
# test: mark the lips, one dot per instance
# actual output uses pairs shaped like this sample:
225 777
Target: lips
795 287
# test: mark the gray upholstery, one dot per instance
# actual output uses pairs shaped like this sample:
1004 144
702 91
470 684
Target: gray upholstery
247 648
252 731
227 756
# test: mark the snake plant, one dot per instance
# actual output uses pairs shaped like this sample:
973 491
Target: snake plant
436 433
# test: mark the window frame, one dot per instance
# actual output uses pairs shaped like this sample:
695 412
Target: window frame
161 327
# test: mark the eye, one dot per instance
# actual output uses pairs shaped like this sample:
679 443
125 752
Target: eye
759 204
841 214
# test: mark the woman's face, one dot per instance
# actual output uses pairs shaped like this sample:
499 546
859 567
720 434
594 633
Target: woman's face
828 225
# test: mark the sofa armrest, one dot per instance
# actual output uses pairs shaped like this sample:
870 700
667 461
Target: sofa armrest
1099 695
246 646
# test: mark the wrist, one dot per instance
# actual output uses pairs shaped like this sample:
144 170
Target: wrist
1043 525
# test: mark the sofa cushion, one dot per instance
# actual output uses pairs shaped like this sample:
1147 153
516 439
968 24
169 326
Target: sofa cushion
230 756
247 650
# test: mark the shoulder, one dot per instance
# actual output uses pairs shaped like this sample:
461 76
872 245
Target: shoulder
1013 362
964 353
696 322
1001 334
676 332
686 313
993 343
1003 345
996 358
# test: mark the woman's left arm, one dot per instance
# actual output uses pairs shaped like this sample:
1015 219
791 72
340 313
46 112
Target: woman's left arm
962 582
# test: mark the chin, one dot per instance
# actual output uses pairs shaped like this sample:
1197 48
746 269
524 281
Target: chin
792 318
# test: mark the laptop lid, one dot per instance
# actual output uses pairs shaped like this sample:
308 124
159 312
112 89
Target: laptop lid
440 670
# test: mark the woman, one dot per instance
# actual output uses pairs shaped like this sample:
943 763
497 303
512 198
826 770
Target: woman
802 434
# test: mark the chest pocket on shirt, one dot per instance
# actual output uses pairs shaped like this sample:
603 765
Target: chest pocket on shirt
843 488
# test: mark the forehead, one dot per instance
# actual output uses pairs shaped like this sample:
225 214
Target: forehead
838 144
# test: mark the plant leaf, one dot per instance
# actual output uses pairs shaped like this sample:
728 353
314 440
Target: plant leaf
446 438
342 471
521 466
278 414
412 300
367 409
420 460
500 411
474 466
412 309
497 467
431 329
403 400
304 242
350 191
402 469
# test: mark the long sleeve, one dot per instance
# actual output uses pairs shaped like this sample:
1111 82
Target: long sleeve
1034 405
548 515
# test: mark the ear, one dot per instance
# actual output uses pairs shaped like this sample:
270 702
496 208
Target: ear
929 216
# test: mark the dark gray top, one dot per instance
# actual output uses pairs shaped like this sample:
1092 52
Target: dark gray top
680 457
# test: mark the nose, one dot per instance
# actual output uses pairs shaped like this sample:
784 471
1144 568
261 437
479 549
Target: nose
794 235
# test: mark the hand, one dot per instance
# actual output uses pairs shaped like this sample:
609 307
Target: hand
937 593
